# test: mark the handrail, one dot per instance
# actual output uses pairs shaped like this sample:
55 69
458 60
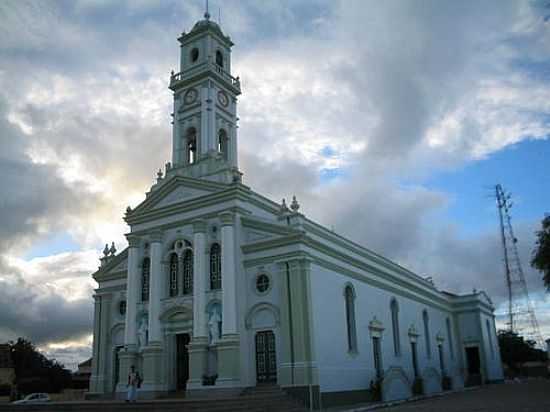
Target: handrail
177 77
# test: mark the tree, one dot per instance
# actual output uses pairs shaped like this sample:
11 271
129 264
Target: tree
541 254
36 373
515 351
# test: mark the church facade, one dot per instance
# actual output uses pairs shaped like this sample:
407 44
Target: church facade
221 289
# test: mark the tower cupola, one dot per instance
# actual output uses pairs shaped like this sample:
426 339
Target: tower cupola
204 139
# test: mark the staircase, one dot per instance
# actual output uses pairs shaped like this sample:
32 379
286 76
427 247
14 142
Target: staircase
256 399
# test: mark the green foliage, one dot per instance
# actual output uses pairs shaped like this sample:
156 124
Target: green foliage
541 254
34 372
515 351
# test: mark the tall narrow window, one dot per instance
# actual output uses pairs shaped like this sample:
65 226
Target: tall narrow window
414 359
349 295
490 337
426 320
191 149
187 272
223 146
450 338
145 279
395 326
215 267
219 58
441 359
377 356
173 274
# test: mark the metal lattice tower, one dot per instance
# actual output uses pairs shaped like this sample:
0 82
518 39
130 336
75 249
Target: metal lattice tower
520 313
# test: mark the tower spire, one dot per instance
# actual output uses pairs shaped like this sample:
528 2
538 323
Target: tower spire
206 13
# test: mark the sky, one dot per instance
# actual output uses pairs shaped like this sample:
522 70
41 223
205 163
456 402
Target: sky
390 121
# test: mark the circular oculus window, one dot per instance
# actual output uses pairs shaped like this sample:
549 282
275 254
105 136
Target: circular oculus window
262 283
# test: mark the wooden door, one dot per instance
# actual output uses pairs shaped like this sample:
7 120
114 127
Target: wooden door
182 361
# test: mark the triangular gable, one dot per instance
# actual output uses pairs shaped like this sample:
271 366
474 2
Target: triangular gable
177 189
117 264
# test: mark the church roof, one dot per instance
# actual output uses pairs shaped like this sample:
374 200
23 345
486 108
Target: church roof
206 25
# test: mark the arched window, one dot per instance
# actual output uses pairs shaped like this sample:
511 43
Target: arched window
426 320
395 326
450 338
187 272
215 267
145 279
349 296
191 149
223 144
173 274
219 58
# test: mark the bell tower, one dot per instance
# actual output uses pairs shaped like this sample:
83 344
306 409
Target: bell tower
204 136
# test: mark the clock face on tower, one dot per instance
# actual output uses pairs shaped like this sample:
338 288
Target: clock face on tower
190 96
223 99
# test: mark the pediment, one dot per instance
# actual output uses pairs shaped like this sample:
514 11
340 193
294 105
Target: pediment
255 235
176 189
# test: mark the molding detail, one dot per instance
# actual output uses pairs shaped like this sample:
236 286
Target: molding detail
133 241
413 334
227 218
376 328
262 306
156 236
199 226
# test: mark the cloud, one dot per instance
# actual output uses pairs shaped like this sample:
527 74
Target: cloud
397 90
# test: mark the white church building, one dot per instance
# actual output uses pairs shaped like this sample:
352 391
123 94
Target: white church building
222 289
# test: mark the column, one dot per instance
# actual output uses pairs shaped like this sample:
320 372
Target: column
229 298
132 289
155 291
153 372
228 347
198 345
95 386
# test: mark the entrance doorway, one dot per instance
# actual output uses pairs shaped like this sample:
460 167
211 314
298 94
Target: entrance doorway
182 361
473 362
266 360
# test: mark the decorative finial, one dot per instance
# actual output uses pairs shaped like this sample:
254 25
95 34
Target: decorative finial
106 250
284 207
112 251
128 210
159 175
206 13
294 205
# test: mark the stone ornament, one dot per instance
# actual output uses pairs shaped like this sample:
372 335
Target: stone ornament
214 325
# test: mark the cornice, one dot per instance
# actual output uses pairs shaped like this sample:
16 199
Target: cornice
102 271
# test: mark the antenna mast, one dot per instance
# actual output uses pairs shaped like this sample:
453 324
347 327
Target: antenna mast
520 314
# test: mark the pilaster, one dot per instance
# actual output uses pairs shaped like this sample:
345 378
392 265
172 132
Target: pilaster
199 280
198 351
153 369
96 381
229 298
132 289
126 358
155 289
298 366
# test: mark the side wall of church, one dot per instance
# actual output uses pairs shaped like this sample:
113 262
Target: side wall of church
343 370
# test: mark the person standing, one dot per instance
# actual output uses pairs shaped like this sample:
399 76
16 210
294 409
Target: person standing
134 382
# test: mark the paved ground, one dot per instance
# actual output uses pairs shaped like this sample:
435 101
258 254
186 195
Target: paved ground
528 396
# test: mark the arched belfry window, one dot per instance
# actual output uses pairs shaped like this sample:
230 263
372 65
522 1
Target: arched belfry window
223 144
173 281
191 149
187 272
394 307
349 296
215 266
219 58
426 320
145 279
